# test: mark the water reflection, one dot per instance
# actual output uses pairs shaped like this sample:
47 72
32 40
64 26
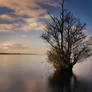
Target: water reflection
23 73
68 82
62 82
32 74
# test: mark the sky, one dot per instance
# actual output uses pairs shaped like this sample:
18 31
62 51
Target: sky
22 22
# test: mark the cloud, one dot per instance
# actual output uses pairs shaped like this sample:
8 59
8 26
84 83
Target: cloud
15 47
6 17
51 3
24 36
28 12
12 47
8 27
36 26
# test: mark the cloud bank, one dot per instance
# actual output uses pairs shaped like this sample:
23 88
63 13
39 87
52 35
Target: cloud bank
23 15
13 47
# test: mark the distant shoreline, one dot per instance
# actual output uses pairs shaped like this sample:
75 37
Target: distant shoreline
18 54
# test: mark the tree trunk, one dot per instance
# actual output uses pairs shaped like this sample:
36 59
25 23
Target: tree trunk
64 67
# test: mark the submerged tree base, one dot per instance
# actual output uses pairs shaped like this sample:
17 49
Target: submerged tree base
66 69
69 70
62 67
62 81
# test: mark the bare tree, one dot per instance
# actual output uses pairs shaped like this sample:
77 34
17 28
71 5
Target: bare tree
67 38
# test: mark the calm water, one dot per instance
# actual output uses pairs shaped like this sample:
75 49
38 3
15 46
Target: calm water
32 73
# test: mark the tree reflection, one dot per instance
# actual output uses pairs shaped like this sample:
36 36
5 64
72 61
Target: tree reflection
62 82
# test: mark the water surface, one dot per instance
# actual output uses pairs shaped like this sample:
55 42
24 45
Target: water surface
32 73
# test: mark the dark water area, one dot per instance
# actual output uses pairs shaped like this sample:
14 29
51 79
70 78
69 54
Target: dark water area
32 73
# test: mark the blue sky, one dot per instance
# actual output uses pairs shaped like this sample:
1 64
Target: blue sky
22 22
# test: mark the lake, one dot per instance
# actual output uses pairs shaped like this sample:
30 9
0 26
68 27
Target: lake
32 73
